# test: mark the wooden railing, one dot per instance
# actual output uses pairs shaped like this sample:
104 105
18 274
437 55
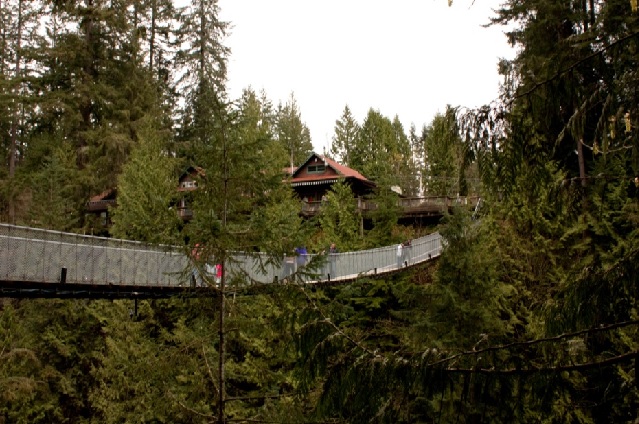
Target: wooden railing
430 205
100 205
185 213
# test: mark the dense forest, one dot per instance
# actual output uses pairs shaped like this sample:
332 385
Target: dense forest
529 315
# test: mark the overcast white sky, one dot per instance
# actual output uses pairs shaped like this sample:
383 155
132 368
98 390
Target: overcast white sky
408 58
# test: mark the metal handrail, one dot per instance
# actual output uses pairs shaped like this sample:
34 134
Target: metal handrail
44 256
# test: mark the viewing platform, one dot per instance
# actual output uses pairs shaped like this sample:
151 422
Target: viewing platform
410 207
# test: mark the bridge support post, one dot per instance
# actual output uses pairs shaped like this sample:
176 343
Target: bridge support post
63 275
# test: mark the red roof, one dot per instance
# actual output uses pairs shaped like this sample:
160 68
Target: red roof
107 194
342 171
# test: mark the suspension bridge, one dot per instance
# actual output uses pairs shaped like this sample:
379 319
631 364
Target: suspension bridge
44 263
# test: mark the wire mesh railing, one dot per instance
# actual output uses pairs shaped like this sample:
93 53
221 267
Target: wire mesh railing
44 256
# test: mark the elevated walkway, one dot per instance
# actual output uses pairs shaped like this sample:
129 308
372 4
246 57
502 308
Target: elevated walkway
409 207
43 263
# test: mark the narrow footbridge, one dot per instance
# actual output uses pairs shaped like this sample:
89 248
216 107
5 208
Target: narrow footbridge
43 263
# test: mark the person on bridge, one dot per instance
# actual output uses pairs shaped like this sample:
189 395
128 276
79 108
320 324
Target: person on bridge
288 267
408 252
400 255
196 277
218 274
332 260
302 256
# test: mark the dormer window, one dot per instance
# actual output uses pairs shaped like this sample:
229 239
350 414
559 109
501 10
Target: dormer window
188 184
316 169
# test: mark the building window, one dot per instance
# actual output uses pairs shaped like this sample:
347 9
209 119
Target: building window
316 169
188 184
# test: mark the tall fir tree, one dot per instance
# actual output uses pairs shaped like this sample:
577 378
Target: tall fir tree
345 137
292 133
147 191
444 154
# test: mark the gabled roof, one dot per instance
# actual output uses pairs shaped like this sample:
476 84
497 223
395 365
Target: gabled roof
102 201
289 171
341 171
108 194
193 171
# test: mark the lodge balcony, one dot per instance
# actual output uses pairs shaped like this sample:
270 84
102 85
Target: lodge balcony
185 213
100 205
409 207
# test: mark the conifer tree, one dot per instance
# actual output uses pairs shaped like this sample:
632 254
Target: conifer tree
147 191
371 153
346 129
402 161
292 133
382 153
339 219
19 40
443 149
384 218
202 59
51 194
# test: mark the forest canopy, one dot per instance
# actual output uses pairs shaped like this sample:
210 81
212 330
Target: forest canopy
529 315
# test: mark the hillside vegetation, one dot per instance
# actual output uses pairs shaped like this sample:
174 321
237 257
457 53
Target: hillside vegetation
529 316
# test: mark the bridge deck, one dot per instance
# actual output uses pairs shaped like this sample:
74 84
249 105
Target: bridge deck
41 263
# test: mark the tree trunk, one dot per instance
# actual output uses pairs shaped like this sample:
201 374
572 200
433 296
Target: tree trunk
582 165
152 38
13 147
220 407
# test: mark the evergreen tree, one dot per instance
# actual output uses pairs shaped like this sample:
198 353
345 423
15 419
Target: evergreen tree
51 194
339 219
147 190
241 204
444 155
346 129
371 154
382 153
202 63
418 156
384 217
19 39
292 133
402 160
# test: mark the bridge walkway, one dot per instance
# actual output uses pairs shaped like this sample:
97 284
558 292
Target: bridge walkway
44 263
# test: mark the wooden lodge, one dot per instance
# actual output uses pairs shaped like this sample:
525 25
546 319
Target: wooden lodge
311 181
315 177
99 205
187 184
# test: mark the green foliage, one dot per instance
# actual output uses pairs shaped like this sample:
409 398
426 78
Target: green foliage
529 315
346 133
25 394
283 227
58 340
292 134
339 219
384 218
468 288
444 165
147 192
53 200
